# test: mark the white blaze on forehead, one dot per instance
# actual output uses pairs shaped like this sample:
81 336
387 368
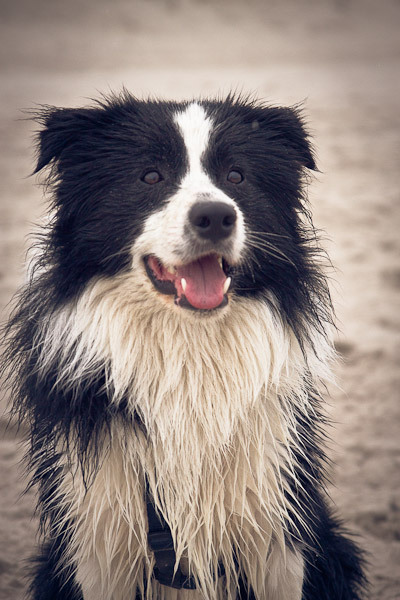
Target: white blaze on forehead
165 231
195 127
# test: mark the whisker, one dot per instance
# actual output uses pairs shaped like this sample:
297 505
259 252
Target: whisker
123 251
262 234
270 249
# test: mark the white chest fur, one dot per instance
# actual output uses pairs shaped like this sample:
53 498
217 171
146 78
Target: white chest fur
217 398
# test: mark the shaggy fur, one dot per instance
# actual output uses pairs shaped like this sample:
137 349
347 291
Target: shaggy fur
133 376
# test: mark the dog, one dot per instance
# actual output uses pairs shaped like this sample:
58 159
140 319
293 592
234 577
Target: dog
169 354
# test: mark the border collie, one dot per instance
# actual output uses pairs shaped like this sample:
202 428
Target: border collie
169 352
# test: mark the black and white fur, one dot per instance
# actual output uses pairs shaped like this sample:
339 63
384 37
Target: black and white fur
124 381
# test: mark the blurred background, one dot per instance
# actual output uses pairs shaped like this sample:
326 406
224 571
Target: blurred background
341 58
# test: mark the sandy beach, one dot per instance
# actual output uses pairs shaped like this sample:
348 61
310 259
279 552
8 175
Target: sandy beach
341 58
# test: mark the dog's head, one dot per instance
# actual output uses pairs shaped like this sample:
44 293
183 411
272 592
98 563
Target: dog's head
200 199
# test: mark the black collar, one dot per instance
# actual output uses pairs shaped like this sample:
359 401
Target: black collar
161 543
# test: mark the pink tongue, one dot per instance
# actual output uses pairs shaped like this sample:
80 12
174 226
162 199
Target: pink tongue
204 282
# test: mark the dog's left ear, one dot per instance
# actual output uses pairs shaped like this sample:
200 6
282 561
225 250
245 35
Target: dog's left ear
288 126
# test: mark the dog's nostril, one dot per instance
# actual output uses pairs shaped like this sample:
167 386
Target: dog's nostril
213 220
229 221
202 222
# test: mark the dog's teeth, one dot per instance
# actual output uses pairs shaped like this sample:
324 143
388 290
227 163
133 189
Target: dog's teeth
227 284
183 284
220 261
172 270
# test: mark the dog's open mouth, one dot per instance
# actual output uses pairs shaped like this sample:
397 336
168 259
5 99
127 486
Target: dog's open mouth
202 284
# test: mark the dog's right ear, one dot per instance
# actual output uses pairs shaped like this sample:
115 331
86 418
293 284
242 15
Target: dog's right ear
62 128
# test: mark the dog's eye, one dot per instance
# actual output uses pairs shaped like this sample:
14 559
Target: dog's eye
152 177
235 176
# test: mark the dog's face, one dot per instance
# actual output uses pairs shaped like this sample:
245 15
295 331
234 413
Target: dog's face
199 199
190 244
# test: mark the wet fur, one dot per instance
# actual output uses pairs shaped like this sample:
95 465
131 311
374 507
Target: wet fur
220 412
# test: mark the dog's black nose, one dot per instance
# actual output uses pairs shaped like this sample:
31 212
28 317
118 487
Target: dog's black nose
213 220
